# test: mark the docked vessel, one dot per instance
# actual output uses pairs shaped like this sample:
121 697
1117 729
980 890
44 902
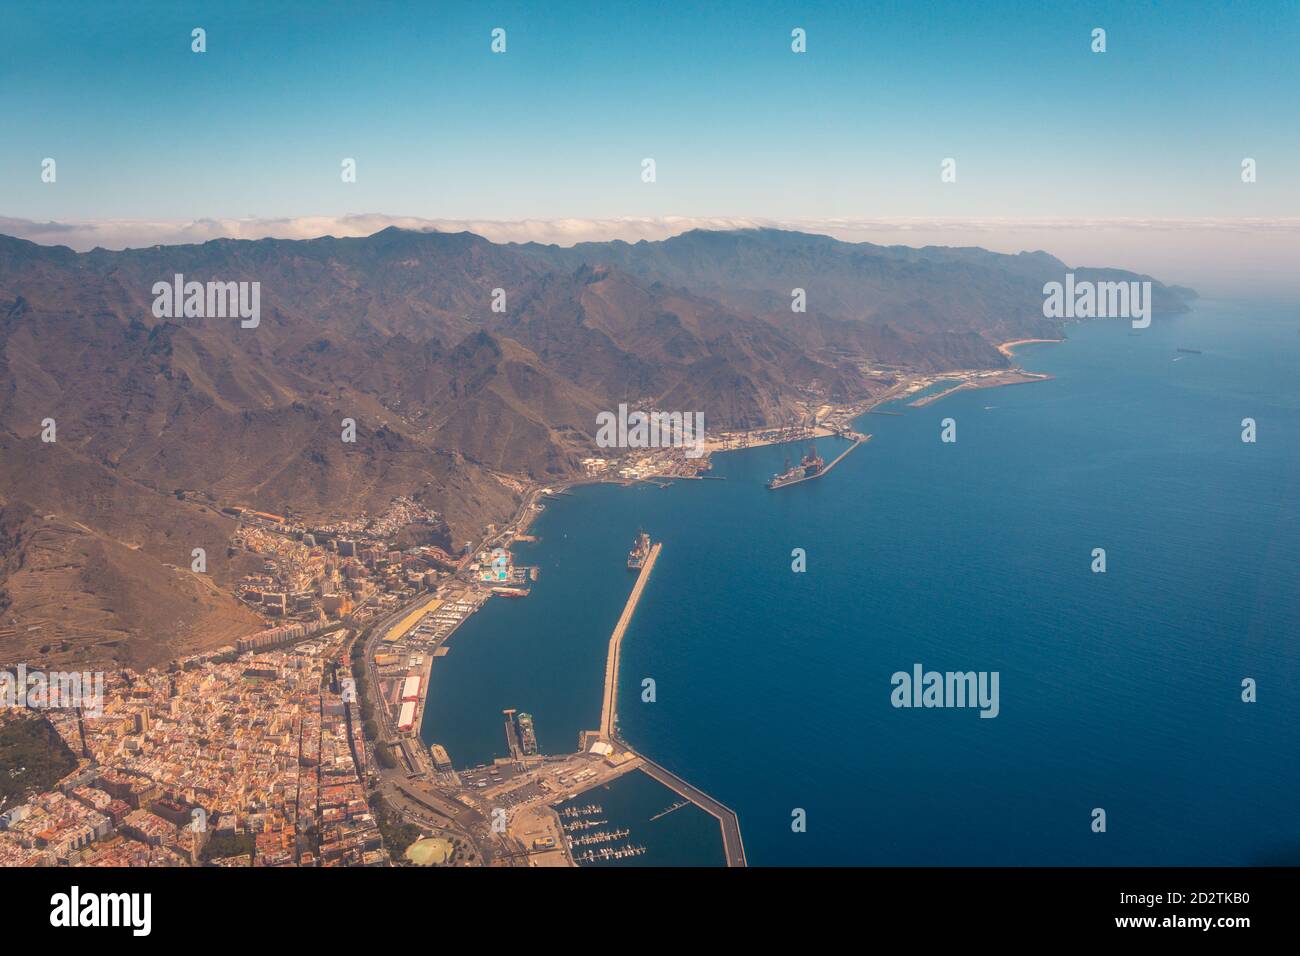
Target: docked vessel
640 551
810 466
527 736
510 592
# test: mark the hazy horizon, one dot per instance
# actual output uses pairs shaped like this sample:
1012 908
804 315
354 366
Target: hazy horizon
1187 253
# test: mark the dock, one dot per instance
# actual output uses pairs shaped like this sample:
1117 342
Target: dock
512 737
609 706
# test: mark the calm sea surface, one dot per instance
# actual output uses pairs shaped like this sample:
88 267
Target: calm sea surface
1119 690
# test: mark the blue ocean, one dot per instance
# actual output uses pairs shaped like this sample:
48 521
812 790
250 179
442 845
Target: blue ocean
1119 691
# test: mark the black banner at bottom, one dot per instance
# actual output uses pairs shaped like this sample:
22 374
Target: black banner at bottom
337 907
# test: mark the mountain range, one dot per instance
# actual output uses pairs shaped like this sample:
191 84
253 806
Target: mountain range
161 421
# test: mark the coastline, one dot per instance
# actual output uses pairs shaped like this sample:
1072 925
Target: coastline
484 799
541 819
1008 348
995 380
517 528
840 417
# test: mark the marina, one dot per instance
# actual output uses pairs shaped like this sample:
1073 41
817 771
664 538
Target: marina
575 826
632 814
600 836
608 855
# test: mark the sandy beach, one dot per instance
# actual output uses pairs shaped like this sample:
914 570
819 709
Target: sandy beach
1007 348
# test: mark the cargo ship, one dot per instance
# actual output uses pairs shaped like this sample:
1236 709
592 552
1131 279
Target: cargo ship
810 466
527 736
510 592
640 551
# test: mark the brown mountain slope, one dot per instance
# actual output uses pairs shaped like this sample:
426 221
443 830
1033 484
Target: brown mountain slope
397 332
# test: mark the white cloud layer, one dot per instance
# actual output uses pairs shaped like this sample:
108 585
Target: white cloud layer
1214 255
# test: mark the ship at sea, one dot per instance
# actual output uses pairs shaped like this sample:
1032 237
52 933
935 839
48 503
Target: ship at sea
810 466
640 551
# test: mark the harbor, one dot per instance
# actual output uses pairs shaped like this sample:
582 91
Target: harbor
536 772
638 813
535 775
552 802
741 675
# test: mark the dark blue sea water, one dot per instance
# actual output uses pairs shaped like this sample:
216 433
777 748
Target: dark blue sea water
1119 690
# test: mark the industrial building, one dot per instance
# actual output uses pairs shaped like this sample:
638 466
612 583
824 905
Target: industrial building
406 719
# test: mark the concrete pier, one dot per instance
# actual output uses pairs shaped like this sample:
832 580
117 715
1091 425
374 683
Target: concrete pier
732 845
609 707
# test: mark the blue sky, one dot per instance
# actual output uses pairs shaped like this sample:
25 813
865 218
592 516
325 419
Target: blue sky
737 123
155 143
